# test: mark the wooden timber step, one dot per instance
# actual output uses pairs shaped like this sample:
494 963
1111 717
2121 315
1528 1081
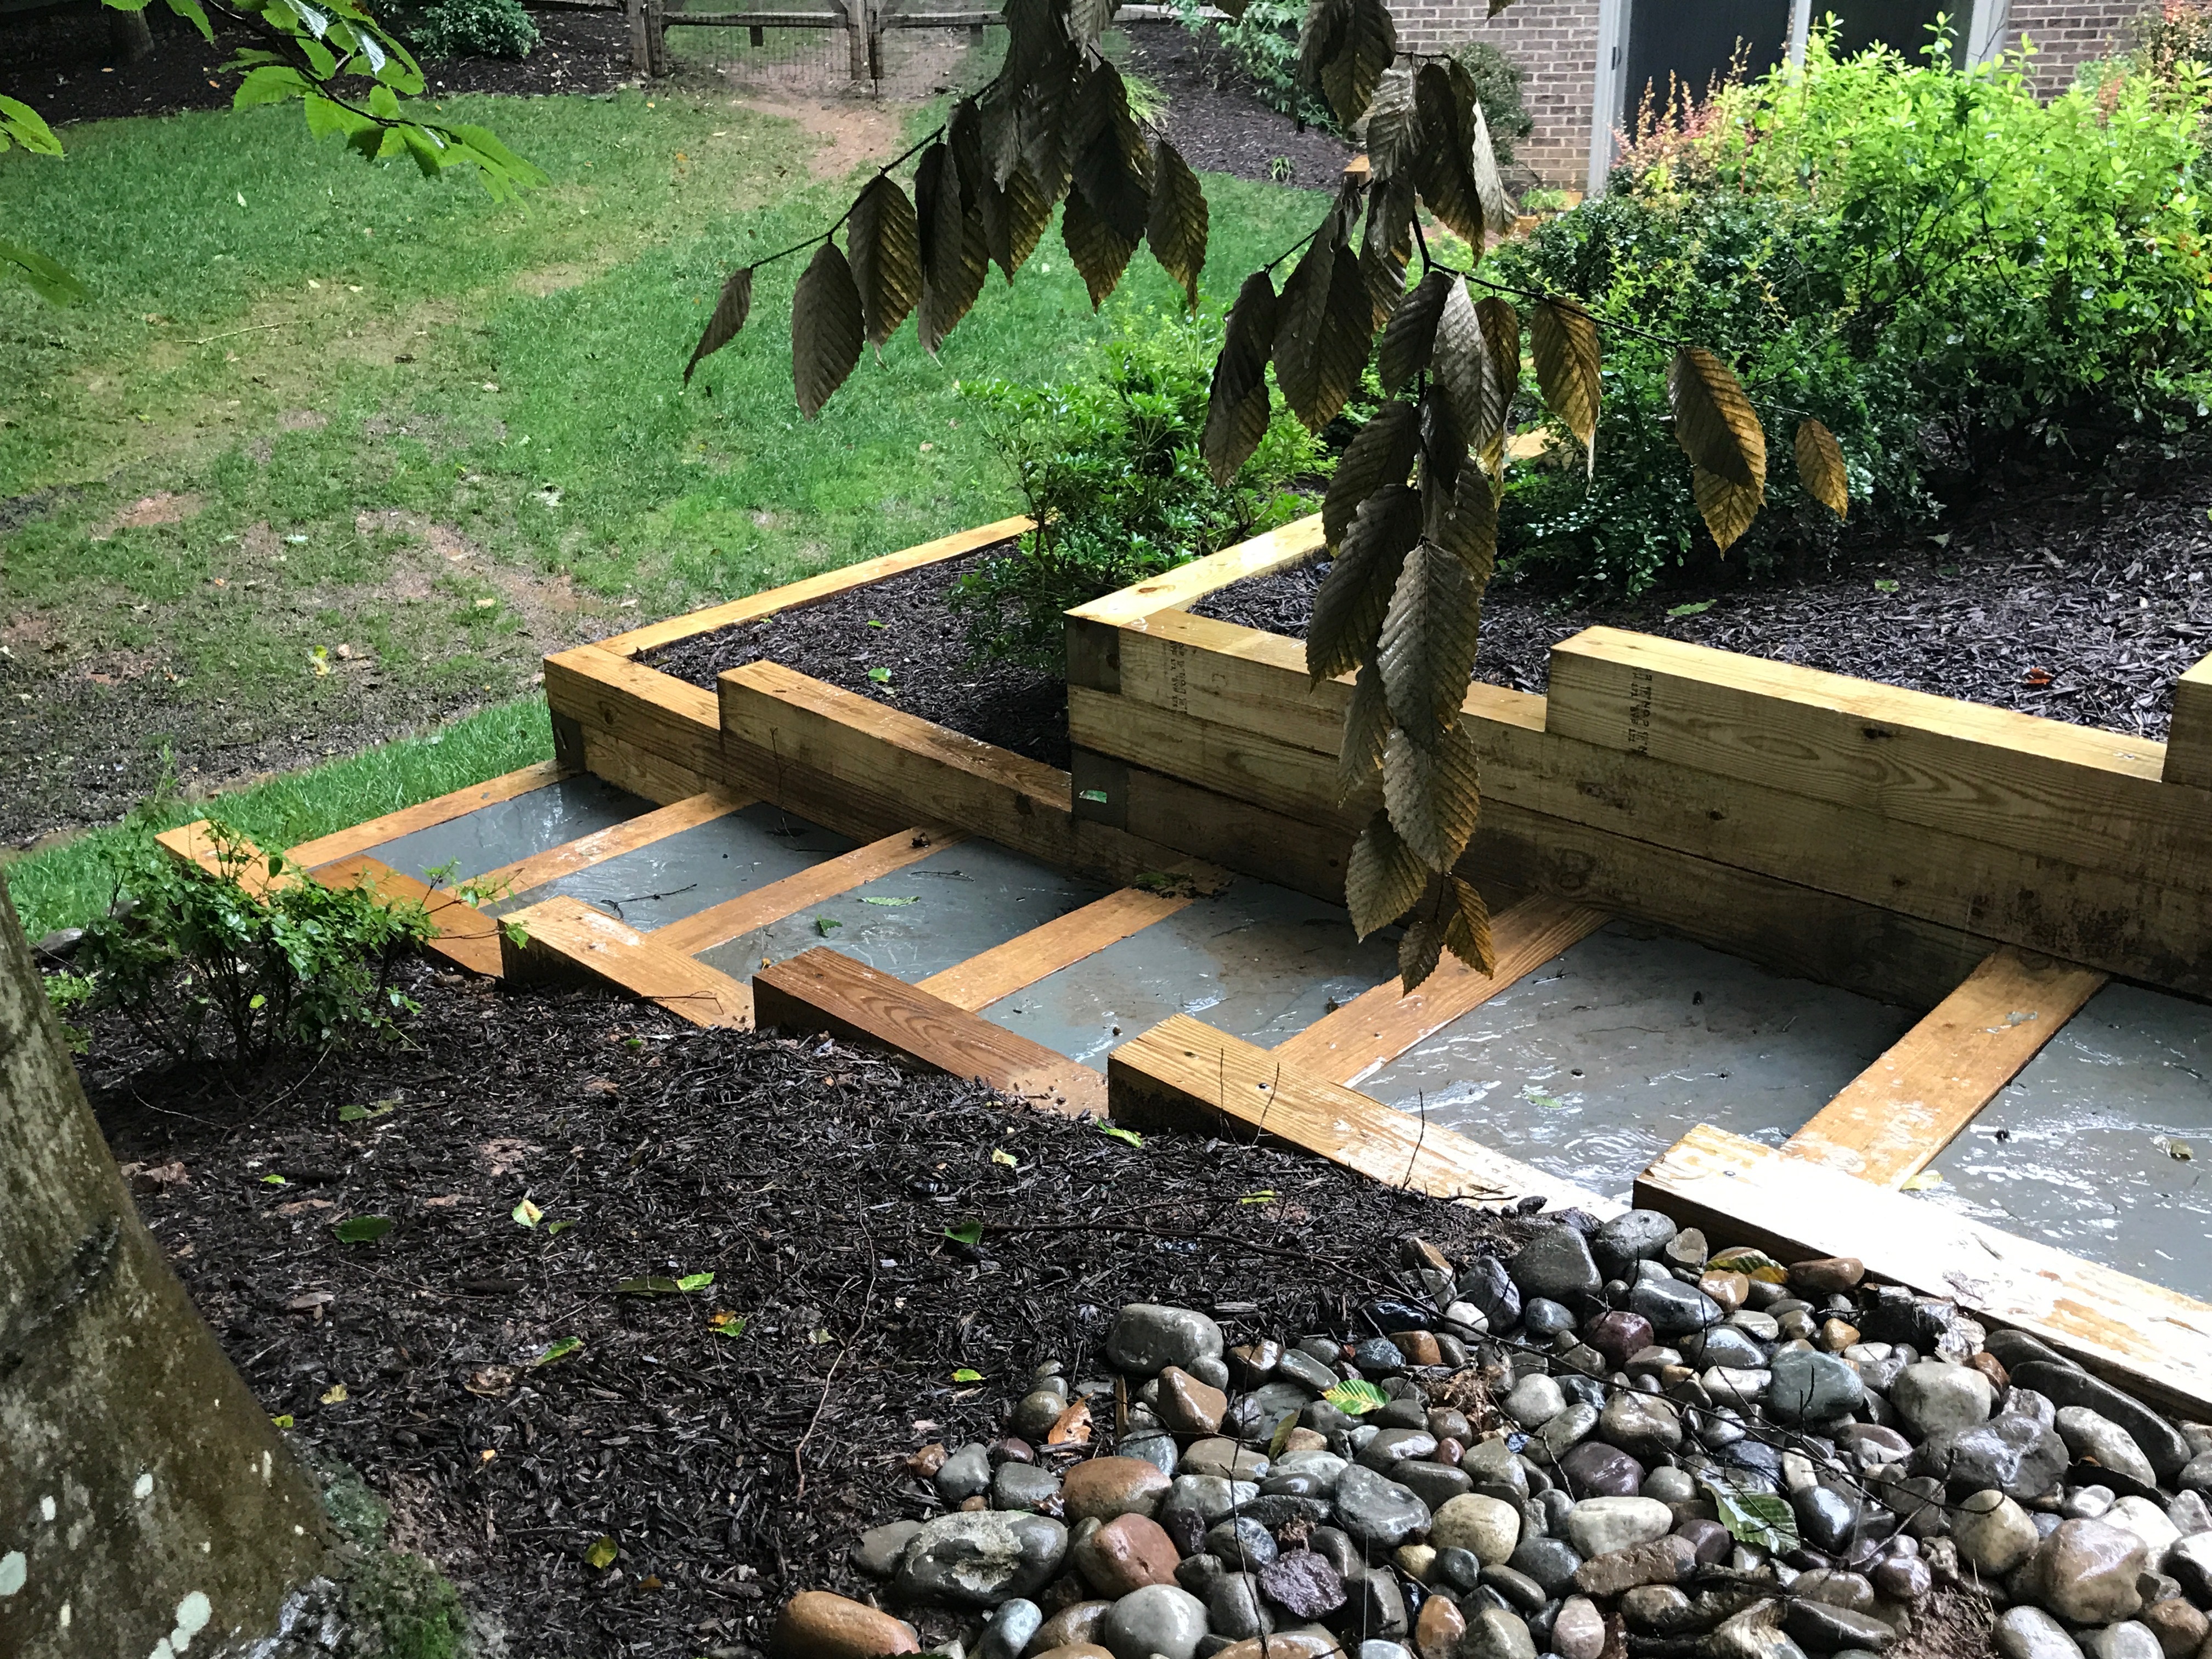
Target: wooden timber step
466 936
2140 1336
820 990
734 918
616 839
2188 741
1182 1074
1021 962
328 849
564 938
248 866
1377 1026
1902 1111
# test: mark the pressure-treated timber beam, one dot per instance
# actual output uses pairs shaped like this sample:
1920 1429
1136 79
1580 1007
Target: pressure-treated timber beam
733 918
2189 740
328 849
2140 1336
1232 710
812 590
1376 1027
1028 957
1182 1074
1900 1113
466 936
247 864
613 841
564 938
829 753
820 990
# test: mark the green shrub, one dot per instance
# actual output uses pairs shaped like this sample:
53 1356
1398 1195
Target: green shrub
186 949
1949 273
1109 465
1264 43
471 28
1722 271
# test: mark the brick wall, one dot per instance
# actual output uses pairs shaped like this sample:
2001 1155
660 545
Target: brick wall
2068 33
1555 43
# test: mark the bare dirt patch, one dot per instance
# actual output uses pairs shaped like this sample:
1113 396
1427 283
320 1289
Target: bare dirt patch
163 507
847 133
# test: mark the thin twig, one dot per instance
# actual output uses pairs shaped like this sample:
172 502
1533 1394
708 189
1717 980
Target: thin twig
829 1382
257 328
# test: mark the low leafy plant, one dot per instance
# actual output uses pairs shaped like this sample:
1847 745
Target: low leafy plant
471 28
249 952
1498 88
1110 466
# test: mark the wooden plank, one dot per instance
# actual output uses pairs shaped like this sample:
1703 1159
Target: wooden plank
2140 1336
1377 1026
1024 960
2188 741
820 990
1293 543
328 849
2087 798
1793 930
612 698
466 936
191 843
1186 1075
1905 1107
612 842
733 918
566 938
813 589
638 771
819 749
1268 747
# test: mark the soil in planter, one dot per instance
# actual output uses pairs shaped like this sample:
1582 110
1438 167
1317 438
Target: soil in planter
2079 608
903 629
731 1440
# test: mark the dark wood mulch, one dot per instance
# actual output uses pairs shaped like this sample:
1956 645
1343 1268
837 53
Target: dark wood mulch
63 64
2081 606
920 644
1216 118
816 1184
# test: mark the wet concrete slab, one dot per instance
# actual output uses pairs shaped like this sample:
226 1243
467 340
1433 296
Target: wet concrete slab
1592 1065
1258 961
682 874
952 905
2102 1145
510 829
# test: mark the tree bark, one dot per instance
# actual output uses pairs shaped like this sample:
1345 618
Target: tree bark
146 1506
128 33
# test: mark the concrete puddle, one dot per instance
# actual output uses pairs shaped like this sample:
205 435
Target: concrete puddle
1600 1059
2102 1145
955 903
500 834
1259 962
682 874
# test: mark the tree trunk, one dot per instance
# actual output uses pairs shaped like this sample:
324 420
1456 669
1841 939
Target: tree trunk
129 35
147 1505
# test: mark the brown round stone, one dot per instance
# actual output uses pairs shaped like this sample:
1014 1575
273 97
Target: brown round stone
1828 1273
2179 1627
1837 1334
1729 1290
1993 1368
924 1464
1189 1404
1437 1633
1071 1627
1419 1347
1306 1440
1105 1488
1077 1651
816 1625
1126 1553
1289 1644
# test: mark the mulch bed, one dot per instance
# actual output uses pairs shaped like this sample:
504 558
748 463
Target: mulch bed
61 62
1216 120
920 644
2078 606
816 1184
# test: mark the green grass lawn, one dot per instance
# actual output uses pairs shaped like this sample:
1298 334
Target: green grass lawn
333 453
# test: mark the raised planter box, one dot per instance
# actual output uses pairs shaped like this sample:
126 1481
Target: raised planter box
1873 838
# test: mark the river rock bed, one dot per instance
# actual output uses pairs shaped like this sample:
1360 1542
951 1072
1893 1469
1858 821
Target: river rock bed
1615 1443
